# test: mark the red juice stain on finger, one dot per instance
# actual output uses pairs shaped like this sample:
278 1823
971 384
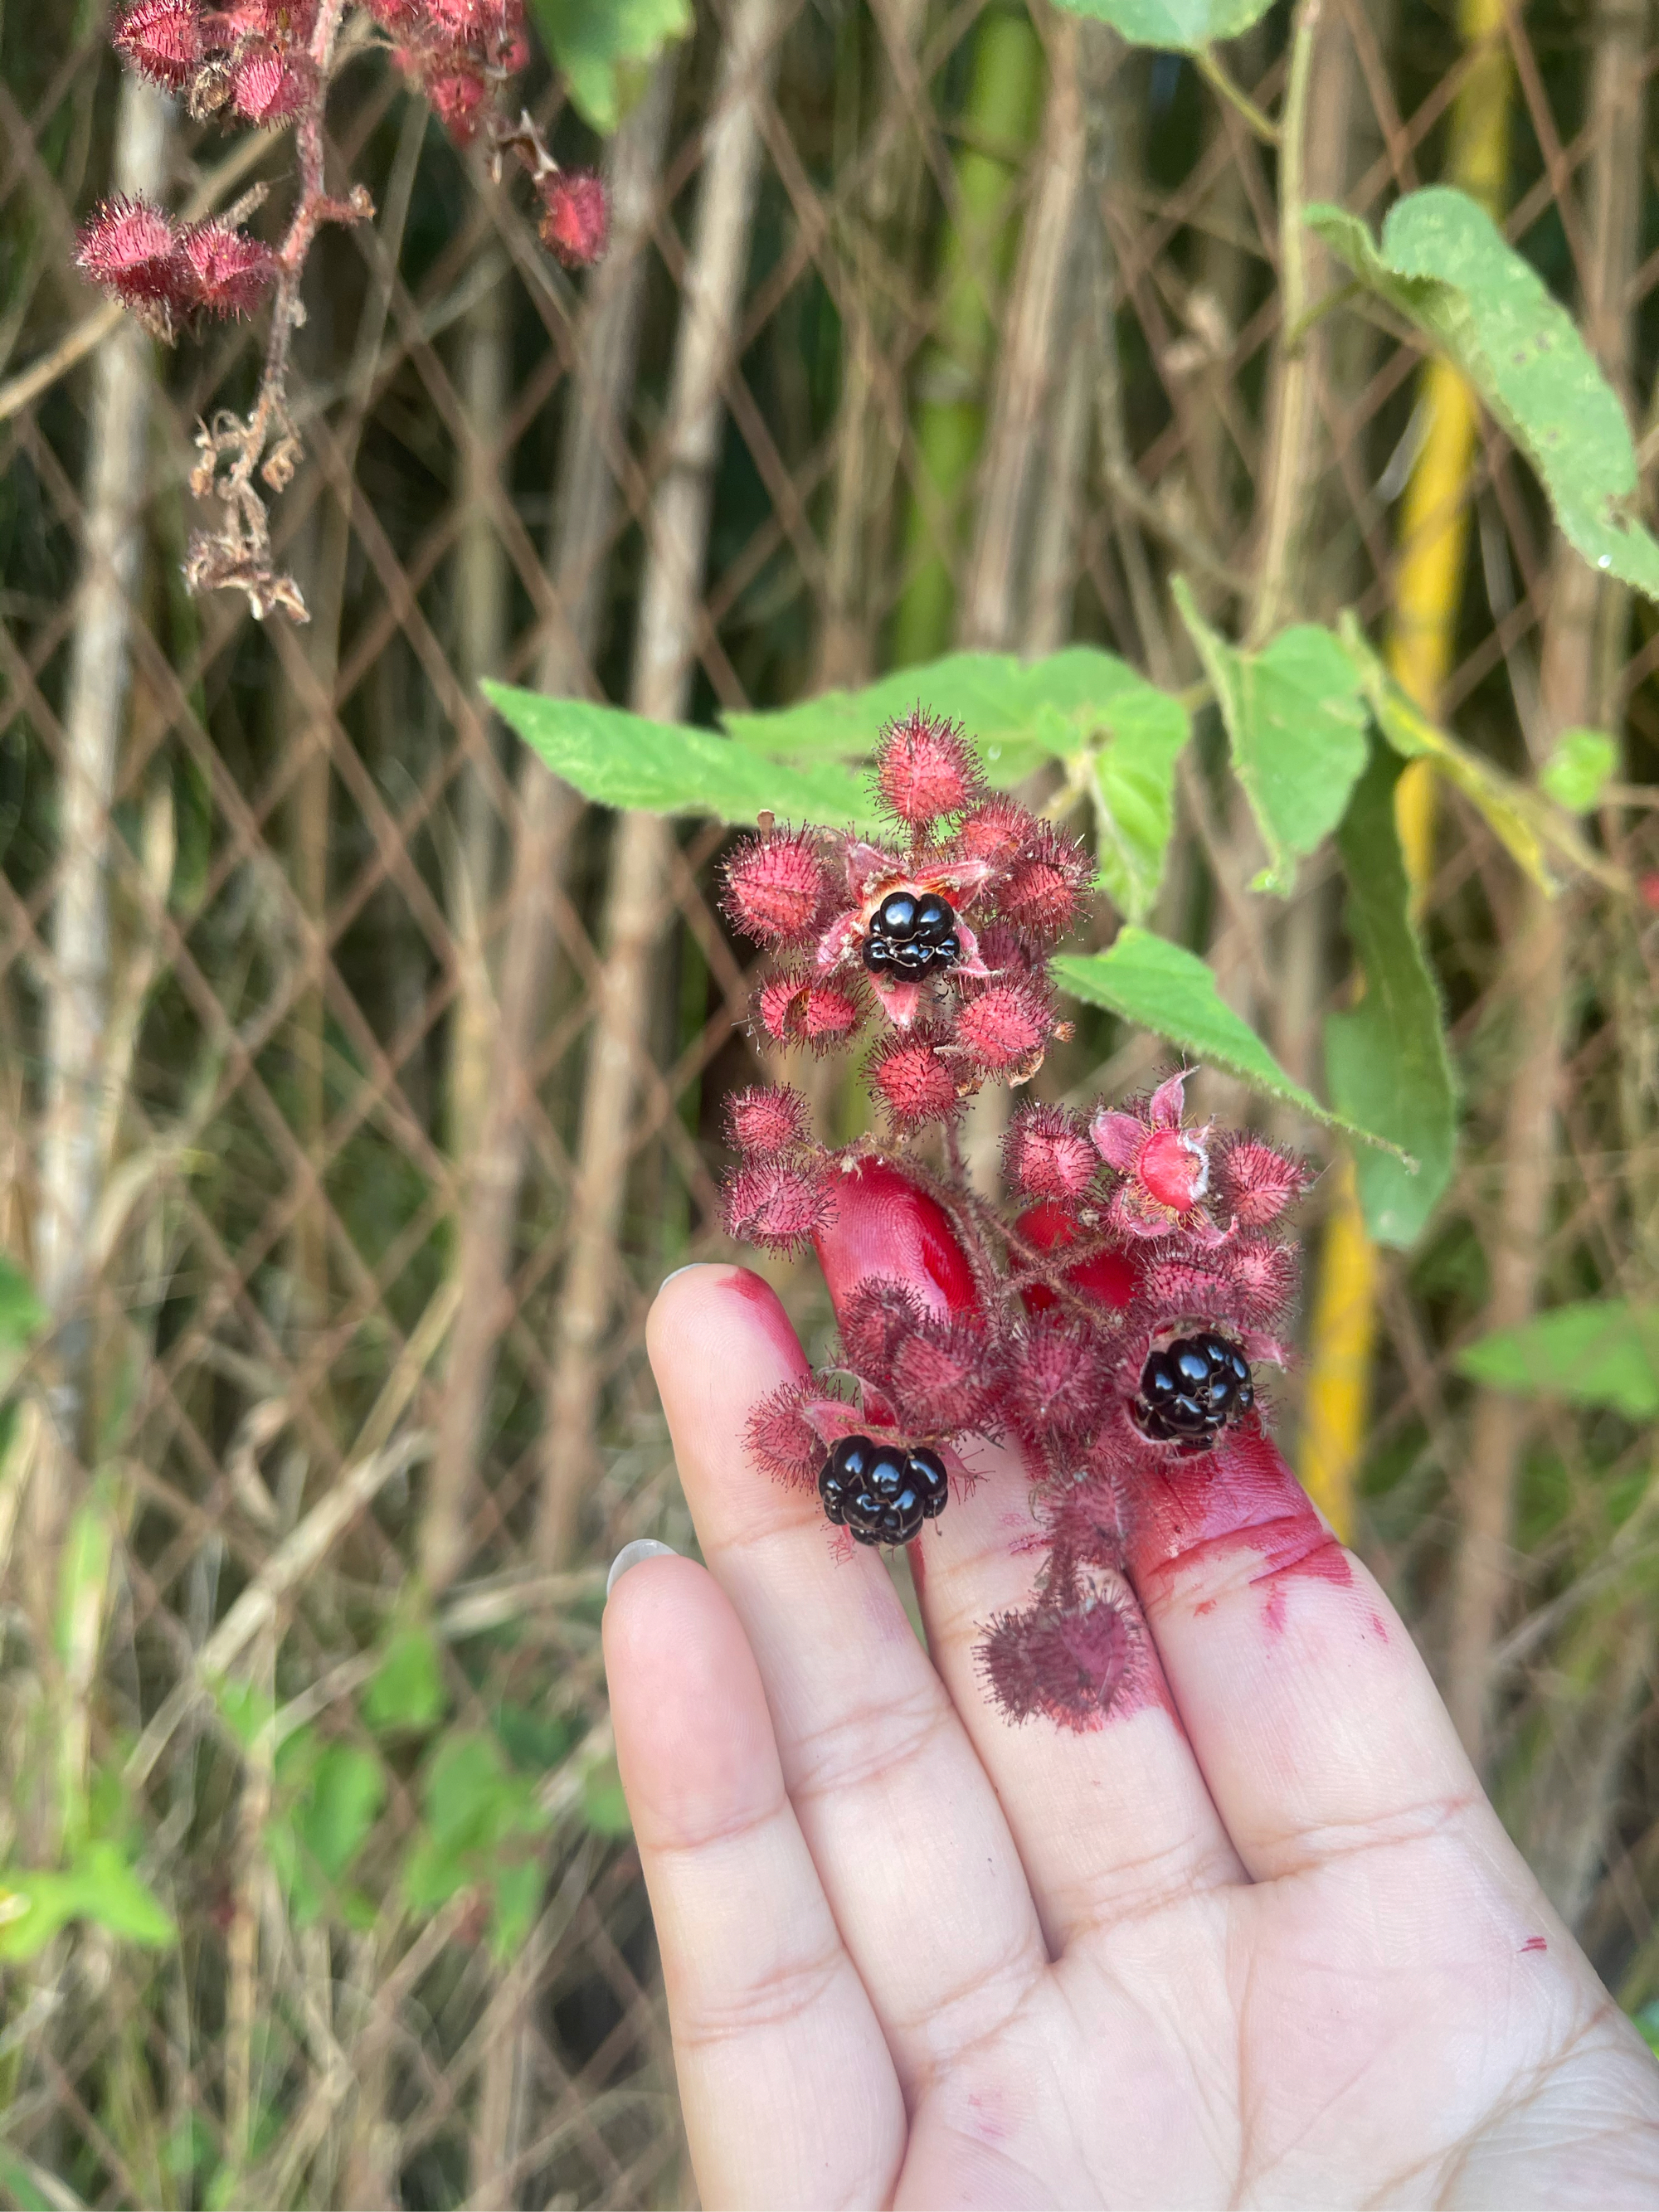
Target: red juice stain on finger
1534 1943
885 1225
753 1291
1194 1514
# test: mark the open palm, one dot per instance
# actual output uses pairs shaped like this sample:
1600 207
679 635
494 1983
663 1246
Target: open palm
1261 1940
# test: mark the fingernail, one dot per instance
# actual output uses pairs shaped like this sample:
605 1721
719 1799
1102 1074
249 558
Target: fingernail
642 1547
674 1272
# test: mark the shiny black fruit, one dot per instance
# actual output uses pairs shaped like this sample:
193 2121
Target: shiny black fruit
913 934
882 1493
1191 1390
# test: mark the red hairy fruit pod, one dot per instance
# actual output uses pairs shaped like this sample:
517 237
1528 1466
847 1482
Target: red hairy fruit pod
913 1082
575 223
1263 1275
230 272
945 1375
270 82
1043 888
1058 1376
776 886
766 1119
926 769
161 39
1254 1180
794 1009
780 1438
993 832
777 1205
132 249
1004 1027
1047 1153
457 97
880 1315
1065 1659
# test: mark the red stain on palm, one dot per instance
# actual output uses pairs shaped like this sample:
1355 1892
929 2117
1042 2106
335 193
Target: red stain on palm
883 1225
1534 1943
756 1291
1240 1495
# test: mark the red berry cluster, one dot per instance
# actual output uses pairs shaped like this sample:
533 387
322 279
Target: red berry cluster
169 273
959 1321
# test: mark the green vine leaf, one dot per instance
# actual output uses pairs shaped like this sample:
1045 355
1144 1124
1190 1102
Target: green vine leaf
1296 724
1579 766
1173 25
603 48
1385 1060
1600 1352
1442 263
623 760
1164 988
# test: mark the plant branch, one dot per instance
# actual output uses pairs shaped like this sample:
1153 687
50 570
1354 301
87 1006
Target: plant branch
1215 75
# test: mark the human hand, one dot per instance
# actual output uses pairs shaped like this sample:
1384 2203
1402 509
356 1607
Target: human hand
1257 1939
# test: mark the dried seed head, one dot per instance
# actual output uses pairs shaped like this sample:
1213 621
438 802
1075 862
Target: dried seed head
766 1119
575 216
924 769
776 886
1046 1155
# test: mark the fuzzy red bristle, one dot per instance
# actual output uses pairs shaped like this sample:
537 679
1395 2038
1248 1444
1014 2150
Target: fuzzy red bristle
131 247
161 39
914 1083
829 1015
230 272
782 1440
926 769
1004 1025
944 1376
1058 1375
773 1205
269 84
765 1119
1065 1662
994 832
1047 1154
1254 1182
776 887
576 221
874 1321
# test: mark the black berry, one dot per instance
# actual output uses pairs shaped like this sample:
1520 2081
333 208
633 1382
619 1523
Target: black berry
913 934
882 1493
1193 1388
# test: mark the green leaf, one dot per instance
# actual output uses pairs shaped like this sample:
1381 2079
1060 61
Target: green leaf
602 48
623 760
1177 26
1600 1352
603 1805
407 1689
98 1885
1580 763
1442 263
517 1895
21 1314
1385 1060
347 1792
475 1809
1164 988
1122 735
1296 723
1523 820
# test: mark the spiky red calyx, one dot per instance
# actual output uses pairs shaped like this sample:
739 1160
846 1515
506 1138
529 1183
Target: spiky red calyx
129 247
912 1080
794 1008
1254 1182
780 1438
945 1378
161 39
1047 1153
766 1119
575 223
777 1205
1003 1028
230 272
993 832
1059 1376
1066 1658
270 83
776 887
1044 887
926 769
877 1317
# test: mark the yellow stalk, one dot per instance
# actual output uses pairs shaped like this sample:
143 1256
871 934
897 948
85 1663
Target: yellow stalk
1434 526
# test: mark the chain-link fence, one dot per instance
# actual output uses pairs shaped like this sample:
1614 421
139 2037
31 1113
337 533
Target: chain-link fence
360 1083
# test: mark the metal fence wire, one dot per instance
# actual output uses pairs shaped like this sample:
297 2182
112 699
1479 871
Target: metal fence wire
360 1082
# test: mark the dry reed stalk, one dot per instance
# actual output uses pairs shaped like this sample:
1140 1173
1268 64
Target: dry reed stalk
1428 590
665 661
593 457
877 340
1535 977
78 1008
